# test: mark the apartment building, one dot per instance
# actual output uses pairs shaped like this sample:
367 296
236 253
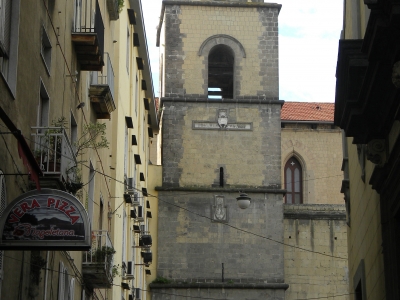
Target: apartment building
75 84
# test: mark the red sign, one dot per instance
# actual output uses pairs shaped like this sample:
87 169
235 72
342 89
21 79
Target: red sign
45 220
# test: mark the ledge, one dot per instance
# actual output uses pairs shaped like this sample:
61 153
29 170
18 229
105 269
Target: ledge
220 285
244 100
315 212
220 190
222 3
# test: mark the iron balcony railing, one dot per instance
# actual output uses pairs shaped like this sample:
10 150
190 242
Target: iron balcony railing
53 150
105 77
101 252
88 19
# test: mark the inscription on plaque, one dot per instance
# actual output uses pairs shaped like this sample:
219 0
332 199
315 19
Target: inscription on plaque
222 123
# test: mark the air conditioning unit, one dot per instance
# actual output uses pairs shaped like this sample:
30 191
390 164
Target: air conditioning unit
129 274
140 214
131 185
135 200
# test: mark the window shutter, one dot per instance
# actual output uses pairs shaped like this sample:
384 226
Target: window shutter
5 27
61 282
72 289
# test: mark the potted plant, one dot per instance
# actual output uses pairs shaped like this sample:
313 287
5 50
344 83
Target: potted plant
103 254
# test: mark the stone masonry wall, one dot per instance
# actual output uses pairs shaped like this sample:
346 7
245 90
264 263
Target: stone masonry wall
323 270
255 28
227 292
194 157
191 247
319 151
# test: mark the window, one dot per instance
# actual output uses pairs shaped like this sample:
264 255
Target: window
45 50
127 51
74 132
359 282
358 292
136 93
143 130
126 152
5 27
66 284
44 104
3 204
124 233
9 22
220 72
91 193
293 182
101 214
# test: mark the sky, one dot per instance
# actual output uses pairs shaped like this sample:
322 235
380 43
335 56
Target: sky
309 33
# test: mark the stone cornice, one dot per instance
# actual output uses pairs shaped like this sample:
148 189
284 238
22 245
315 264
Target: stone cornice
222 3
315 211
244 100
221 190
220 285
210 3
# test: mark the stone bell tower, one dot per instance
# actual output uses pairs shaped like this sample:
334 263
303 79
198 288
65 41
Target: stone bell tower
221 136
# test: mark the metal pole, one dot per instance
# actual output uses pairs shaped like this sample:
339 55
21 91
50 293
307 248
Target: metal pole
222 272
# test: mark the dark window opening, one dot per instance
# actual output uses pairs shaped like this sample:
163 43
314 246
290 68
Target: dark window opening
293 182
220 73
221 177
358 292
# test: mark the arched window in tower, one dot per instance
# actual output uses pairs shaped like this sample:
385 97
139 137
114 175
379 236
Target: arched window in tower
220 72
293 182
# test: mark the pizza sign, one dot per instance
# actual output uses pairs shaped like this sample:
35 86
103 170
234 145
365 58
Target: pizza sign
46 219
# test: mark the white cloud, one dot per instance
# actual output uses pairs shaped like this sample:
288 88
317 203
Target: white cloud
308 41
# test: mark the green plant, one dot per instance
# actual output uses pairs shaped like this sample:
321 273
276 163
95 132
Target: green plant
93 137
115 271
230 281
103 254
161 279
120 5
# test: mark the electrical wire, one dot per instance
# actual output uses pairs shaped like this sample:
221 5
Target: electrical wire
162 293
209 218
72 80
77 95
16 167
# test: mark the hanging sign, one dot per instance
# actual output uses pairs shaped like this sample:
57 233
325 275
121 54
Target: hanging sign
45 220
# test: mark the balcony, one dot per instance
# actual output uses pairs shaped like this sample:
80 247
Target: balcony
101 91
55 156
97 263
88 35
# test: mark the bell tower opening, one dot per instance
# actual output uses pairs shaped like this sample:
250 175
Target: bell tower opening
220 72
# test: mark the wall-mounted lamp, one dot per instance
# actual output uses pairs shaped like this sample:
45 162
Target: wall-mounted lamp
243 201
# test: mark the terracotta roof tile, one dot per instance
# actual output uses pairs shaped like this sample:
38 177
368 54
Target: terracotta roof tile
308 111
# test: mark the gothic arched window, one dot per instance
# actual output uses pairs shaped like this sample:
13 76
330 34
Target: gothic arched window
293 182
220 72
